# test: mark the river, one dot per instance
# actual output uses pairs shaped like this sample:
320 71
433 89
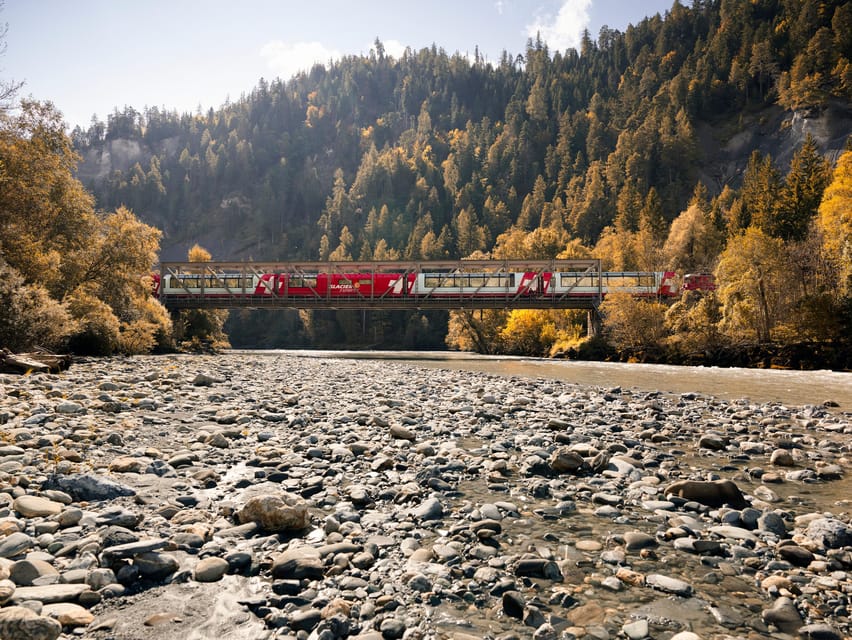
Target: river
756 385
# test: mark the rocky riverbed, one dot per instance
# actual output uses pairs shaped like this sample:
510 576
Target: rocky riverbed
248 497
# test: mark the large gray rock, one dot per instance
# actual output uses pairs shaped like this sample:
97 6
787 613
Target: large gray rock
830 533
120 551
784 615
819 631
49 593
155 565
211 569
276 513
88 487
24 572
563 460
669 585
14 544
298 563
430 509
20 623
713 493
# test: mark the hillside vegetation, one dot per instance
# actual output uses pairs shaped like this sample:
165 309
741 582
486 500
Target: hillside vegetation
701 140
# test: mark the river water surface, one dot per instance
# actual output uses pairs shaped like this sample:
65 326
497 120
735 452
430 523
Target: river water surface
756 385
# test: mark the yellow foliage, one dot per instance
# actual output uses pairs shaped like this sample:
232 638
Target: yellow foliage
835 221
198 254
537 332
477 331
630 322
98 329
754 279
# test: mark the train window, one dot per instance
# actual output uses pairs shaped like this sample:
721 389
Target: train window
431 282
235 282
303 281
577 280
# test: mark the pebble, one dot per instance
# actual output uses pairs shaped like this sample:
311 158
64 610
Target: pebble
356 498
35 506
211 569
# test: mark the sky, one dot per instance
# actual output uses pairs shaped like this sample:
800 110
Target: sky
91 56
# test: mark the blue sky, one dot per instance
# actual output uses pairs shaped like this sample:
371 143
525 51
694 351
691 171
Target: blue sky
88 56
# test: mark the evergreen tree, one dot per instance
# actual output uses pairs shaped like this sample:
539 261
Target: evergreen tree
802 193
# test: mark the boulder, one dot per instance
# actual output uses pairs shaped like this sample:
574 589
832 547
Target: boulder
713 493
26 624
276 513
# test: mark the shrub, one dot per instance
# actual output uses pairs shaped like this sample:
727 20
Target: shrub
98 330
29 317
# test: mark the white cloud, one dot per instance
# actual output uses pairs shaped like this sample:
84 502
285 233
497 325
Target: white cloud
286 59
564 30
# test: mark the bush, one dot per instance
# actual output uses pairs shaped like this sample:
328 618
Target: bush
152 329
98 330
29 317
630 323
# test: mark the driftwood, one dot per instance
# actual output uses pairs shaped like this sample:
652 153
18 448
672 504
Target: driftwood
35 362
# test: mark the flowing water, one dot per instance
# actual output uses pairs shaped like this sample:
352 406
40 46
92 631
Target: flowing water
756 385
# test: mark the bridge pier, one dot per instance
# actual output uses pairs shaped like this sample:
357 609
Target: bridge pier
594 323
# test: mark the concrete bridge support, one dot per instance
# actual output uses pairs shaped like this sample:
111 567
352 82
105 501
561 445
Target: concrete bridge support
594 323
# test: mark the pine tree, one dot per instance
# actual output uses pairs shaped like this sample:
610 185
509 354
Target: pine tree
800 198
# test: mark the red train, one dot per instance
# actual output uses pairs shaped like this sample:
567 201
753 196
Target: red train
417 285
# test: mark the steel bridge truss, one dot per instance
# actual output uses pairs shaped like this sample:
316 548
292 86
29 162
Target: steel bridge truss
222 275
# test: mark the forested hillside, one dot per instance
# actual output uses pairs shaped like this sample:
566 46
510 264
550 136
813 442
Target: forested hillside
649 148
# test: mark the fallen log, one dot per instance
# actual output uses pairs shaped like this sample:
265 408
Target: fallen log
35 362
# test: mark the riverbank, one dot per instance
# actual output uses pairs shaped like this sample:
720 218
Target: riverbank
802 356
276 495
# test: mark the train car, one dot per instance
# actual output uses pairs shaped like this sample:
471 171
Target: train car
436 285
325 285
646 284
699 282
218 285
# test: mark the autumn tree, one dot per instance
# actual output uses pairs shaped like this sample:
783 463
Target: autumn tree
835 222
477 331
91 265
694 241
630 323
694 323
29 316
753 278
